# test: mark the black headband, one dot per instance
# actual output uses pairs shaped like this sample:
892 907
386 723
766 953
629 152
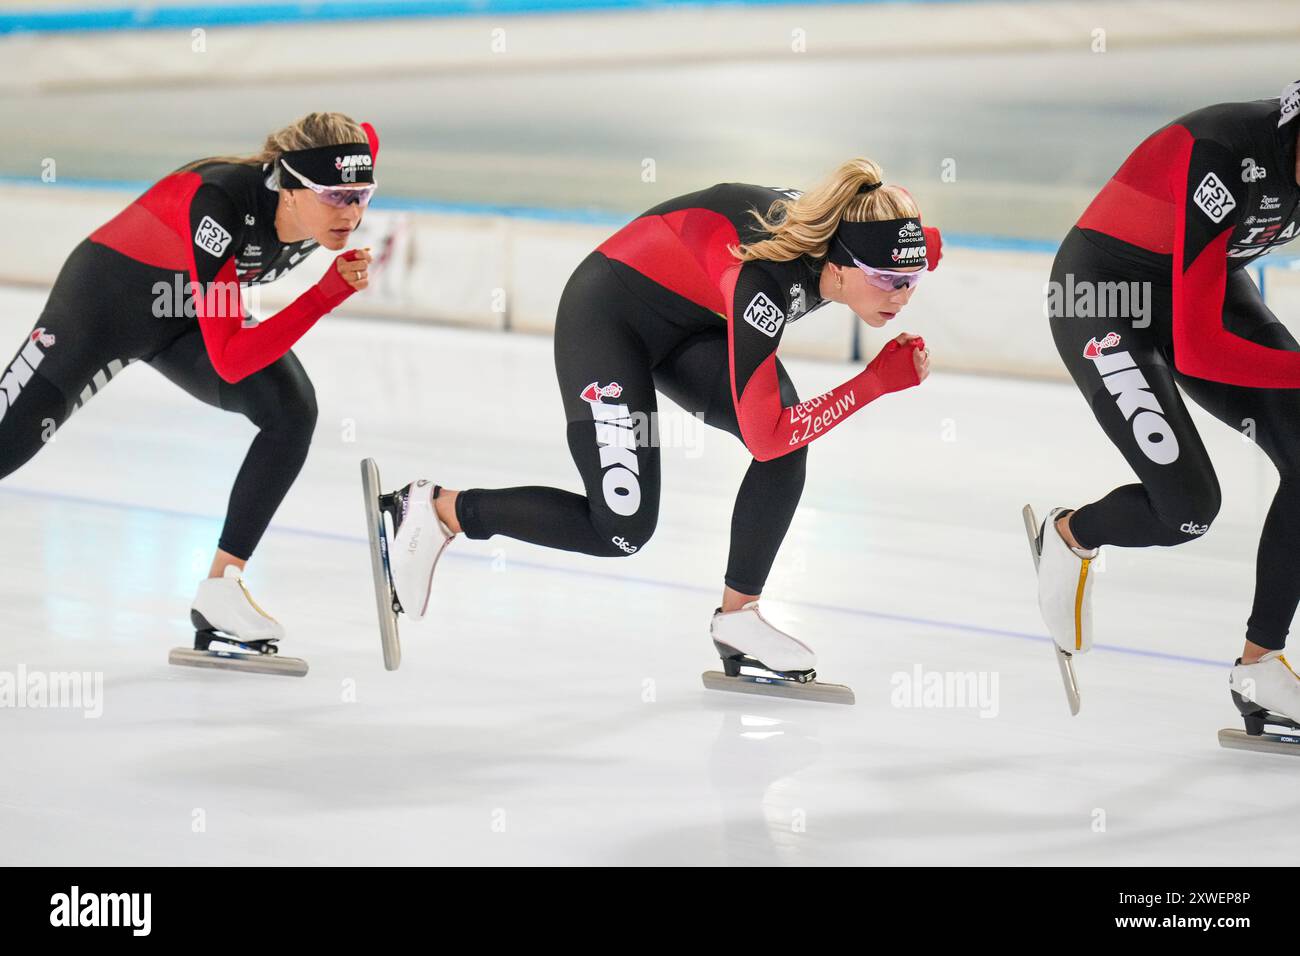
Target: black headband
343 165
882 244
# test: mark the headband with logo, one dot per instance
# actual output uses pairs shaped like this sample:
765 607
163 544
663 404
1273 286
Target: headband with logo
347 164
881 244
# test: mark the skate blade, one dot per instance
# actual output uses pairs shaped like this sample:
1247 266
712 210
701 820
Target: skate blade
1065 664
776 687
379 566
236 661
1064 661
1288 744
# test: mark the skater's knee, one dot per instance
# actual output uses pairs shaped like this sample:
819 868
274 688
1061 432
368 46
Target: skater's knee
627 534
304 410
1191 514
29 427
794 463
299 409
289 409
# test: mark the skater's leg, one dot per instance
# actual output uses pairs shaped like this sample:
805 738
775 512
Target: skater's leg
1130 387
603 370
695 376
281 402
1272 418
53 374
32 408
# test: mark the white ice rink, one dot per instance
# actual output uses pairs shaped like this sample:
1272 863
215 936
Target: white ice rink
550 710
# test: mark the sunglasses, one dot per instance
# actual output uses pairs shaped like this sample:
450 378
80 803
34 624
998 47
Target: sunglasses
338 196
887 280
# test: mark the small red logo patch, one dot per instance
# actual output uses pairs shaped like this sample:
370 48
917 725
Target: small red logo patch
1094 348
595 392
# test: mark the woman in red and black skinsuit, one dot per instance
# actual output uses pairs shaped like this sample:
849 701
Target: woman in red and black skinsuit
691 299
1173 231
160 283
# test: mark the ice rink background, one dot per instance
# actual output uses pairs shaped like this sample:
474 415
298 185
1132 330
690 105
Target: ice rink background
558 695
550 710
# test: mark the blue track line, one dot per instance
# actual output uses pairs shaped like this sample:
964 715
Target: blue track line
361 540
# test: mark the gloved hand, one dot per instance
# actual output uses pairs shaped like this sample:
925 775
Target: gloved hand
902 363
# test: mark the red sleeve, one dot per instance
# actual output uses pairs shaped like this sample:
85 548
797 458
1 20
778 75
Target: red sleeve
1209 198
237 352
769 428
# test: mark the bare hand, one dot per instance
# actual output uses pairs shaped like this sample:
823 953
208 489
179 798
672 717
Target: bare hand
354 267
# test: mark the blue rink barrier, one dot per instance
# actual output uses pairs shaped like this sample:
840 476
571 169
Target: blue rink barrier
190 15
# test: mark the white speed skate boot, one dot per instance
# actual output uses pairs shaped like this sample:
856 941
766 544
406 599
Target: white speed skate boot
1065 577
1266 693
1065 588
224 613
402 560
418 542
758 658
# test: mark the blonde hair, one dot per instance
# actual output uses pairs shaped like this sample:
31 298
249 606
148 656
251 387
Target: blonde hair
804 226
307 132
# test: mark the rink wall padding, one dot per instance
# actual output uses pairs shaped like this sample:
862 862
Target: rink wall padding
189 45
981 311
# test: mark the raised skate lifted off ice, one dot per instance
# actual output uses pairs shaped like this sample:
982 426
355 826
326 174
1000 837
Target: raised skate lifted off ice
1080 627
386 603
224 614
758 658
403 574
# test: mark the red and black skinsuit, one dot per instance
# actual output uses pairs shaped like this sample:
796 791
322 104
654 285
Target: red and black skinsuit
1150 289
125 294
664 305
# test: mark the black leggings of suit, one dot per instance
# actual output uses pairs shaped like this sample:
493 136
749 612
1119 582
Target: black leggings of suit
100 317
604 335
1141 411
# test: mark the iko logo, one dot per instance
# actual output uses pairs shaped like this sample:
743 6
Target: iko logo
616 438
21 371
211 237
1213 198
1192 527
765 315
622 544
1138 405
1250 173
354 161
909 256
1094 348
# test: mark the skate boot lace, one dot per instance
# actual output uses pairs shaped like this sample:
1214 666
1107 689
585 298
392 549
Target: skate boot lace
256 607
